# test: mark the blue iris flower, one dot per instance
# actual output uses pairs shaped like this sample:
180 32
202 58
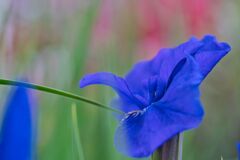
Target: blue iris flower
160 97
16 131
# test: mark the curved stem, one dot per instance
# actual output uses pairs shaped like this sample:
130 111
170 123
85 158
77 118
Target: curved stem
56 92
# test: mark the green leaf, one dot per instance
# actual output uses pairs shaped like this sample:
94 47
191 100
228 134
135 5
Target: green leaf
57 92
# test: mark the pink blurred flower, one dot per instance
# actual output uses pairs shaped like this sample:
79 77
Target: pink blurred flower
104 22
199 15
157 22
153 25
160 19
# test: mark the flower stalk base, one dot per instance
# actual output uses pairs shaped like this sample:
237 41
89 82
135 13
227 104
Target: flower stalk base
171 150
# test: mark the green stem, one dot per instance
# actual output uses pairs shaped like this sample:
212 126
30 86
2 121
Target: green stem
76 134
56 92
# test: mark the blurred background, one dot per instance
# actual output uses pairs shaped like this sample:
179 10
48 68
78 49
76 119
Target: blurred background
56 42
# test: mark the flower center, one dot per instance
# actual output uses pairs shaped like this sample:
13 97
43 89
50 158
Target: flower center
133 114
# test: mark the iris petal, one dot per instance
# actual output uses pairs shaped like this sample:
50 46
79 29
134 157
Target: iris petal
124 106
117 83
161 65
16 133
210 54
140 133
183 94
207 53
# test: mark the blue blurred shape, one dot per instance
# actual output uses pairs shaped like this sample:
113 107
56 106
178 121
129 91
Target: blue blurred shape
16 131
238 149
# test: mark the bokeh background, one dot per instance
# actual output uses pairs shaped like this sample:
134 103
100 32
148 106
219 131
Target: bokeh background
56 42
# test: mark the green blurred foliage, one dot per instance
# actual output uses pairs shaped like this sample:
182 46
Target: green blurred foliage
55 43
